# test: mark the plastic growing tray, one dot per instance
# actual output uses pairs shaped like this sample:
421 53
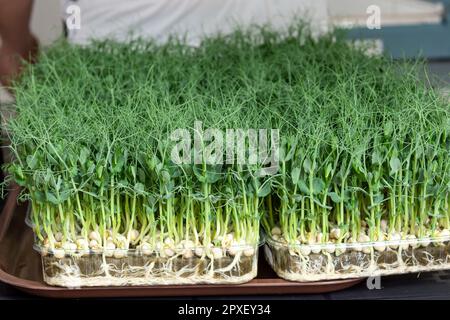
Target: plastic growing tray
344 261
132 267
21 267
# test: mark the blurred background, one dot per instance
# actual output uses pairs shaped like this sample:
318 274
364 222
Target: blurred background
407 28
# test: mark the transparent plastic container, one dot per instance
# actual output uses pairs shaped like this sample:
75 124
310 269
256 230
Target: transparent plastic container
213 265
355 260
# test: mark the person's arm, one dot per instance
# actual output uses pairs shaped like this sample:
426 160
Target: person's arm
17 41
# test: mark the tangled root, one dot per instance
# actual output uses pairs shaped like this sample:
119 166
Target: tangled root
355 264
98 270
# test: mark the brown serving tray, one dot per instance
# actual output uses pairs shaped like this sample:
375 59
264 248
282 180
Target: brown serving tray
20 266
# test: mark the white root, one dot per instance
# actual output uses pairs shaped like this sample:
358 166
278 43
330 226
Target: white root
235 261
172 269
149 275
357 264
176 264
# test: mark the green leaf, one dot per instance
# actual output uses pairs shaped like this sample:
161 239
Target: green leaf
212 177
39 196
52 198
91 168
328 170
63 196
318 185
378 199
139 188
376 158
48 176
250 189
302 186
99 171
213 173
118 165
357 166
151 163
199 174
18 172
141 174
58 183
20 181
282 153
320 204
165 176
295 175
32 161
388 128
395 165
307 165
290 154
51 159
84 153
73 171
264 191
133 171
334 197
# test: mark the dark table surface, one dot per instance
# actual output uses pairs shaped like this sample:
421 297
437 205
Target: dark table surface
430 285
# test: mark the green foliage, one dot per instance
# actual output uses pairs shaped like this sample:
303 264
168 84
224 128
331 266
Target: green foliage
362 138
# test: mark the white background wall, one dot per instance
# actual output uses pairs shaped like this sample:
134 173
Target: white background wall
47 22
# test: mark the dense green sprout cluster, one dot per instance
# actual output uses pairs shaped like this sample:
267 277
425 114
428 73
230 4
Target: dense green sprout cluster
364 152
